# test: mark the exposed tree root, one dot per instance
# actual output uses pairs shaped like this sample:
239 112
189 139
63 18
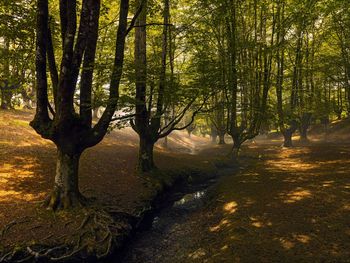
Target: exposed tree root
108 249
47 237
95 235
59 200
6 256
84 222
7 227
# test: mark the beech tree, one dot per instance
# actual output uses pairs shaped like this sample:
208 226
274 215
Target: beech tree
153 101
286 130
71 130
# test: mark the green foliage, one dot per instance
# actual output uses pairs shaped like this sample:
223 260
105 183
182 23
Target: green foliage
199 46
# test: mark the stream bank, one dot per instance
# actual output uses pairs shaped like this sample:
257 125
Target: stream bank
178 204
187 190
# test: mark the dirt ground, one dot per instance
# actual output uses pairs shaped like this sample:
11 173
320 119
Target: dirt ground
284 205
107 173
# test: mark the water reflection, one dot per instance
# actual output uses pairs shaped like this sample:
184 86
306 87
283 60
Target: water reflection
190 199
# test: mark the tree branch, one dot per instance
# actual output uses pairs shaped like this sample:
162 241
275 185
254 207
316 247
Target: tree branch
123 117
52 64
133 20
101 127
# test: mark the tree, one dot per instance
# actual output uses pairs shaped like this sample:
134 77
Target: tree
287 132
248 93
71 131
152 101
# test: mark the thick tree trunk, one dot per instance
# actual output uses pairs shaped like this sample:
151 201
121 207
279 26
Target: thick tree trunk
235 149
303 134
221 139
6 98
287 135
213 134
339 116
3 100
304 126
66 190
146 162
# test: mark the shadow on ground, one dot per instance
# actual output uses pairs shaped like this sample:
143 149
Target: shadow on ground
285 205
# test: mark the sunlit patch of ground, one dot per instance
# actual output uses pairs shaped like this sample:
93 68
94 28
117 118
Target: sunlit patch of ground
296 195
285 205
293 209
230 207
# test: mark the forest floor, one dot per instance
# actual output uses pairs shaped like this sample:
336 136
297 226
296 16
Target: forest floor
284 205
107 174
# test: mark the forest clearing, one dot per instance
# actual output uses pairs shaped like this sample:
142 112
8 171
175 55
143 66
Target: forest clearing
174 131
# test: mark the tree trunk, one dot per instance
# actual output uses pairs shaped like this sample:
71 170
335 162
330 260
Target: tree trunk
6 97
304 125
213 134
66 190
288 142
165 142
303 134
221 139
146 162
235 149
339 116
189 133
3 100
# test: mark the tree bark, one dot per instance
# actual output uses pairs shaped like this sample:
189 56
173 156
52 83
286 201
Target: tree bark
213 134
288 142
304 126
221 139
165 142
66 189
6 97
235 148
303 134
145 158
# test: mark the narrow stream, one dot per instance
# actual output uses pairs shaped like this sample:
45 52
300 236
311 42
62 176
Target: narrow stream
170 225
147 245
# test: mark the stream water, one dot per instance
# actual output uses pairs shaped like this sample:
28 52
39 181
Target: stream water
149 245
170 225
